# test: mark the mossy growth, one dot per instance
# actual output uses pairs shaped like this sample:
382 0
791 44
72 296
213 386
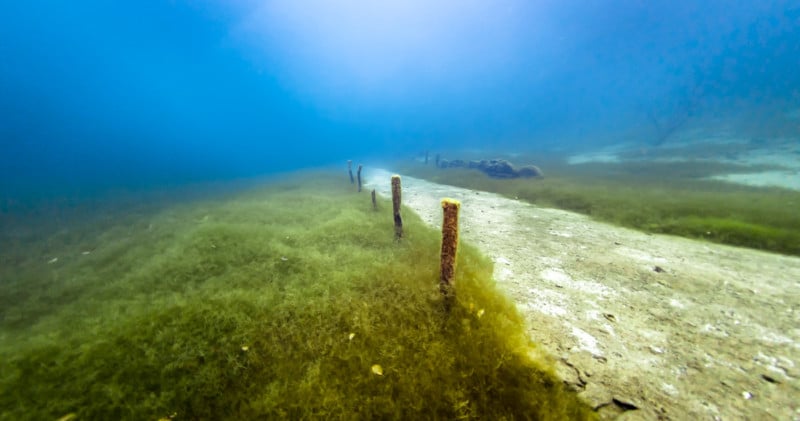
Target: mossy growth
290 301
659 197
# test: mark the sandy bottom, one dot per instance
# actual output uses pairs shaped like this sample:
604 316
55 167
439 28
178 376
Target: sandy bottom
782 154
788 179
641 325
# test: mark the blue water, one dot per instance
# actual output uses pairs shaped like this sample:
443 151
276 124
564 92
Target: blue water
101 95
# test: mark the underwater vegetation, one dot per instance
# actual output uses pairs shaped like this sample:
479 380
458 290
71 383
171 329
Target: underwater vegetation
656 197
290 301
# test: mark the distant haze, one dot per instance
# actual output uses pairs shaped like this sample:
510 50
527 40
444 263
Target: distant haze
133 93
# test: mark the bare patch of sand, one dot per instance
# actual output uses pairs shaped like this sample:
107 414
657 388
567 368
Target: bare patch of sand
788 179
783 154
645 326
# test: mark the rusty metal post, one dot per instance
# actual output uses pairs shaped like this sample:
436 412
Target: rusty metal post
450 209
398 221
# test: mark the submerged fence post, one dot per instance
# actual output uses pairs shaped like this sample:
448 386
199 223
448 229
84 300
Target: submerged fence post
359 178
350 171
450 208
398 221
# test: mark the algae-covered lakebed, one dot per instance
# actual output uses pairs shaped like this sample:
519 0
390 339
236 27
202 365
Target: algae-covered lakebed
287 300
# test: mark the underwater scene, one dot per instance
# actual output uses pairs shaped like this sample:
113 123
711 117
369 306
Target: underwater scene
353 210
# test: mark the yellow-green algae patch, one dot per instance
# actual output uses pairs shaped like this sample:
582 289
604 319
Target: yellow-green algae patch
289 301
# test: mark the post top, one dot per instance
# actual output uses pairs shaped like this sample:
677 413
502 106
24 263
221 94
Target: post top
448 201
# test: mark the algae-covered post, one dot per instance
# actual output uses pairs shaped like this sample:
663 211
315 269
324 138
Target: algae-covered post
450 208
398 221
359 178
350 171
374 201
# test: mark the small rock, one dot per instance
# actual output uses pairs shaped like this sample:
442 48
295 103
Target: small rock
769 378
596 395
659 269
626 404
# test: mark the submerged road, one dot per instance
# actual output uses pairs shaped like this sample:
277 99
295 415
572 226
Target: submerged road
650 326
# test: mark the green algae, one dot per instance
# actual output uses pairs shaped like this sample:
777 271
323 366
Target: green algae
274 303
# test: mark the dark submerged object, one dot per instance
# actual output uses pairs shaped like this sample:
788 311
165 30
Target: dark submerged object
495 168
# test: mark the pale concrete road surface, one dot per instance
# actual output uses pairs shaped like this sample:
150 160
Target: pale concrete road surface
642 326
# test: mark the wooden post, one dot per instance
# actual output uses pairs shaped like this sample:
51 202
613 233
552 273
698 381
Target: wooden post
449 249
398 221
374 202
350 171
359 178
